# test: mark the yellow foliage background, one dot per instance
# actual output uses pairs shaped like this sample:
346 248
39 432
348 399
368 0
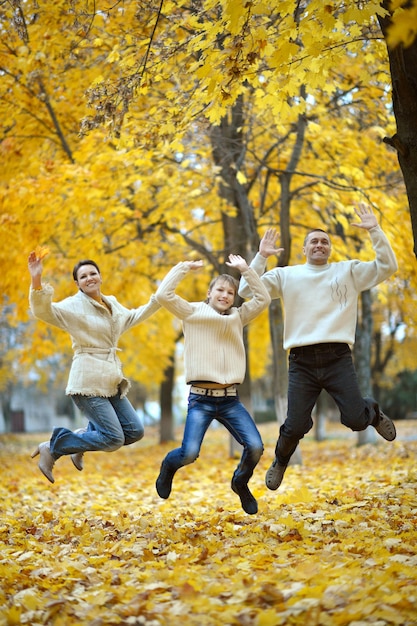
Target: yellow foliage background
107 151
336 545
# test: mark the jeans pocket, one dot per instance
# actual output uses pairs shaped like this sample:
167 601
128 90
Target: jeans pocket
194 399
342 350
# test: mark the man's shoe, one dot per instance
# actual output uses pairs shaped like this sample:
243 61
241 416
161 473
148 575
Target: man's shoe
385 427
249 504
46 461
274 476
164 481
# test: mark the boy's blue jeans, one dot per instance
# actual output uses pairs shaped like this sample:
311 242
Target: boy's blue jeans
312 368
230 412
113 422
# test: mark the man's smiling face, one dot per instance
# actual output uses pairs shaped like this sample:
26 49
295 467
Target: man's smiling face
317 247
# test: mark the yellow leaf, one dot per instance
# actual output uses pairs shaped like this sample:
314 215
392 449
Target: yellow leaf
241 178
41 251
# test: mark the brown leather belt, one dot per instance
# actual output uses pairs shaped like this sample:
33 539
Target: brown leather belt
214 393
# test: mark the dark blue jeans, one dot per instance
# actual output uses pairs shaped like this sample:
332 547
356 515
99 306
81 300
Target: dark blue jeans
326 366
230 412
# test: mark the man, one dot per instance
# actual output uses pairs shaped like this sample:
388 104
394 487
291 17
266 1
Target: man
320 302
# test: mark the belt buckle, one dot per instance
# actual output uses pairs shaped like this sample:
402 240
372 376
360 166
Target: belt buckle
215 393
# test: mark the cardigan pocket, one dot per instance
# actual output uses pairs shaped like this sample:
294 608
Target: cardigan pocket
96 372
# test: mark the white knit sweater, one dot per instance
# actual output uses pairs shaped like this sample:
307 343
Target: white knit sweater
320 301
213 343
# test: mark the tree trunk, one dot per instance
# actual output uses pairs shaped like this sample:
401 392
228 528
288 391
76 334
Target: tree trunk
279 361
245 396
276 320
403 64
279 369
166 429
321 411
362 357
228 150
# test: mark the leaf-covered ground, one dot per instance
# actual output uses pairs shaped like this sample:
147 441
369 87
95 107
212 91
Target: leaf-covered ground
335 545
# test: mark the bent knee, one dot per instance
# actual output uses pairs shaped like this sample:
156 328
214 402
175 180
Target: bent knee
189 456
113 442
258 452
135 435
355 423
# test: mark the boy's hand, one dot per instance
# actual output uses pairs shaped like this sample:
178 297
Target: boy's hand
235 260
195 265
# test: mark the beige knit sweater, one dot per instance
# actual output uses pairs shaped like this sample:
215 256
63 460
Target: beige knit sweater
213 343
96 369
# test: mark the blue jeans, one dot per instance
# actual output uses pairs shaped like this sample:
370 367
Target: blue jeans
326 366
113 422
230 412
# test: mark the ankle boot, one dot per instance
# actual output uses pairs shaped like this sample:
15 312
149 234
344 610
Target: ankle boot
46 461
77 457
78 461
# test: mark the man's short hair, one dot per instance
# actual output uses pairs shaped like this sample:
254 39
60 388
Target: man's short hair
315 230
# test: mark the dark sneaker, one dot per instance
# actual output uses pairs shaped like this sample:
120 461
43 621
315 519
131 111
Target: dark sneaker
164 481
274 476
385 427
249 504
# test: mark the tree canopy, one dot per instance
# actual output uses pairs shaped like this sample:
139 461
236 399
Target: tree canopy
108 145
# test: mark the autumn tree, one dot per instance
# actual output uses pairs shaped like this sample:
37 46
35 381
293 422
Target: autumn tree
152 85
398 24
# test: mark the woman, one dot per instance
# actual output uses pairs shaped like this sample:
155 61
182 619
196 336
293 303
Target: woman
96 382
215 364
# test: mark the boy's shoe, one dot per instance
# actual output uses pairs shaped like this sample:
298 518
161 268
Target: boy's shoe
274 476
249 504
385 427
164 481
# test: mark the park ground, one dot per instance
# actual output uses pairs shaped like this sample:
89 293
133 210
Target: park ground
336 545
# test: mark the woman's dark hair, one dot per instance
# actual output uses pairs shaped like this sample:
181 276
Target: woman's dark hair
80 264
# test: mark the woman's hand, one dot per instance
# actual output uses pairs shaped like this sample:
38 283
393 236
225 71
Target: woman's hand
35 269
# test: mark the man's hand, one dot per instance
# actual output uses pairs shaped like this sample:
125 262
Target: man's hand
235 260
366 215
267 246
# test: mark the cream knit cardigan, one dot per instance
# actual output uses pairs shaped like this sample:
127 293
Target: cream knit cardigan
96 369
213 342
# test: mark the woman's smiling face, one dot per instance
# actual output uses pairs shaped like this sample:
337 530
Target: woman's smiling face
89 280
